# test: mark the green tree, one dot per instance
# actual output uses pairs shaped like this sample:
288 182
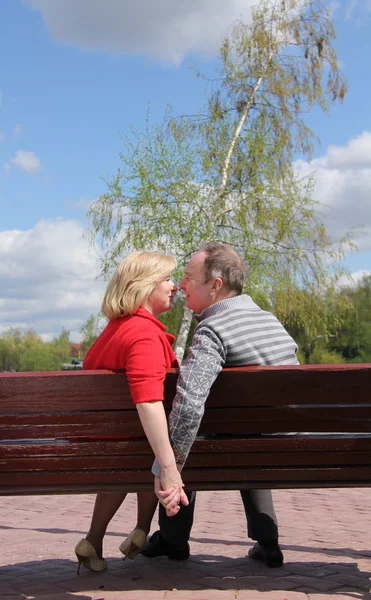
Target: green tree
61 345
39 358
353 339
8 356
324 356
90 330
226 174
25 350
12 343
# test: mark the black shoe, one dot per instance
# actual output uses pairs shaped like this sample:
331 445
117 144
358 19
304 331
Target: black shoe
157 546
270 553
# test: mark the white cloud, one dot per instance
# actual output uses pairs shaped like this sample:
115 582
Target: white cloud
82 204
6 166
48 278
18 129
161 29
27 161
357 8
353 279
343 185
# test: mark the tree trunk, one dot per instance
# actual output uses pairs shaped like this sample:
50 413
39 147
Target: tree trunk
181 341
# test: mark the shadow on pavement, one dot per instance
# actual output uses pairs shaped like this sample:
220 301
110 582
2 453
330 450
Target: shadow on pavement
312 549
57 577
58 530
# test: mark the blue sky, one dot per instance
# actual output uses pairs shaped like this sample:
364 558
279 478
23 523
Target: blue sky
72 77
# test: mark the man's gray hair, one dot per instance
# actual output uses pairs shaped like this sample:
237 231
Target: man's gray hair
224 262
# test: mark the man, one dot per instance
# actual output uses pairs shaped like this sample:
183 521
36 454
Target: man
232 331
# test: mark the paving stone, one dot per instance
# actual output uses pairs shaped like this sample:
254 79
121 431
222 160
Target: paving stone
341 596
200 595
324 535
266 583
318 584
271 595
358 581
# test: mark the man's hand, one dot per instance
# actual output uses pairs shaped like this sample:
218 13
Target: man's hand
171 497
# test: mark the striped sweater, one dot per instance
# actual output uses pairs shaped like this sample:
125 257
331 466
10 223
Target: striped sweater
233 332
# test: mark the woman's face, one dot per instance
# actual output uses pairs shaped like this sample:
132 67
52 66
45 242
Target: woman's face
161 298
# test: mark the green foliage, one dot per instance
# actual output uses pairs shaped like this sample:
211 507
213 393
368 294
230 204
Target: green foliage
60 346
353 339
226 173
324 356
173 318
301 357
39 358
24 350
9 352
90 330
349 339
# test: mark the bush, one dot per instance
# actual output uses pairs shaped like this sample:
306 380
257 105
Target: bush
323 356
39 359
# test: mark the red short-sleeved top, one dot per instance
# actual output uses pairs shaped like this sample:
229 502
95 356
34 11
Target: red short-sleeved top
139 345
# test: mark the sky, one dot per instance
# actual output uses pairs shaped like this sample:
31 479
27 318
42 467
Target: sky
75 75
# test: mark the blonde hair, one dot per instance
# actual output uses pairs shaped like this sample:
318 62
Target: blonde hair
133 281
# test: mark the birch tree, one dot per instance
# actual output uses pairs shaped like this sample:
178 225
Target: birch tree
226 174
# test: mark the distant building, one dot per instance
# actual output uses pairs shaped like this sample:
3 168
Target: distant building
75 350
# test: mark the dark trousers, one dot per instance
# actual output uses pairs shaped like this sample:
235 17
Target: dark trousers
259 510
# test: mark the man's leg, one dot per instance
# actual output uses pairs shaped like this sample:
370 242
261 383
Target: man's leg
177 530
172 538
260 514
262 526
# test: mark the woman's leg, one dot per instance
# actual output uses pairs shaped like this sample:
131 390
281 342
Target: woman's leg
105 508
147 503
136 540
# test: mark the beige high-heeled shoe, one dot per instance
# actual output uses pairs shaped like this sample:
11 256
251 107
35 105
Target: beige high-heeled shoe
133 543
87 556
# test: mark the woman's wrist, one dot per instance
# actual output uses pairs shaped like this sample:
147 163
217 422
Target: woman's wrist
169 467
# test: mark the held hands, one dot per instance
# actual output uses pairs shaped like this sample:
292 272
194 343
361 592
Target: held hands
169 490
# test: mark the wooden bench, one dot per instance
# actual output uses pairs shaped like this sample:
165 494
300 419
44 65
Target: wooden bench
48 420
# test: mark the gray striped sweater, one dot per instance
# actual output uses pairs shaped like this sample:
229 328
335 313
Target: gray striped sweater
233 332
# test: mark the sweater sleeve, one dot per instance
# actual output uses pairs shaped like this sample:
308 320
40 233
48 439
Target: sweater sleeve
146 369
197 374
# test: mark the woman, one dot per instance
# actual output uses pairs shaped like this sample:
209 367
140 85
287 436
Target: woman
134 340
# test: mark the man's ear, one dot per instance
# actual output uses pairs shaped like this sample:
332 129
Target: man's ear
217 284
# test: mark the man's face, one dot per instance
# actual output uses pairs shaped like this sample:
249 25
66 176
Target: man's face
198 293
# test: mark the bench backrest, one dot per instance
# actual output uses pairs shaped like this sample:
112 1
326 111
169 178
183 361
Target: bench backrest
60 413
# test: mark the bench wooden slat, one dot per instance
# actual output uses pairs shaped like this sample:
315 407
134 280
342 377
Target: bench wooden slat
227 420
224 428
282 413
289 444
31 392
196 479
258 459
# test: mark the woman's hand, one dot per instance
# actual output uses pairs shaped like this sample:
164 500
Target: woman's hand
169 488
170 496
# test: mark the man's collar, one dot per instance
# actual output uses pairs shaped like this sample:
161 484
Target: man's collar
234 302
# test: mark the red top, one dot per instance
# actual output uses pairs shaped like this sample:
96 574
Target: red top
138 344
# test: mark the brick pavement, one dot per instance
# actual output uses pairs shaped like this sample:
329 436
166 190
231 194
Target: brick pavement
325 536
